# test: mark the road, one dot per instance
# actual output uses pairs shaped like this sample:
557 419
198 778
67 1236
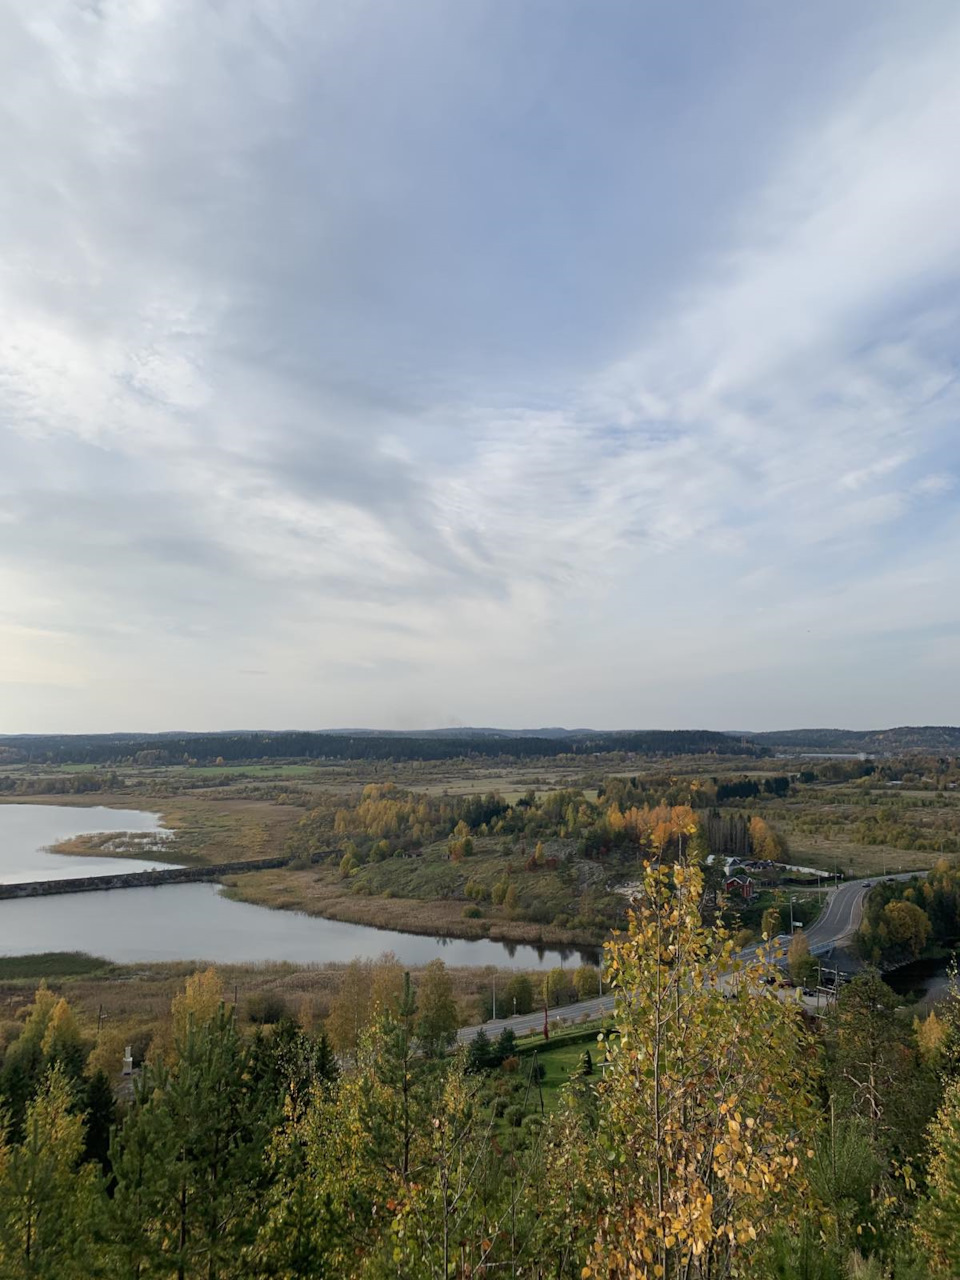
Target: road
840 918
524 1023
834 927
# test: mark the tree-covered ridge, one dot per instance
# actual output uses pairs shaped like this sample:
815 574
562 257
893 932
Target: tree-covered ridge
248 747
872 741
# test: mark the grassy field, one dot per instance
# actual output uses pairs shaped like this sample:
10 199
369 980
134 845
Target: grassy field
321 891
51 964
562 1063
829 826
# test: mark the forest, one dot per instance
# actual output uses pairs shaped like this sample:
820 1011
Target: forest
712 1130
223 747
903 917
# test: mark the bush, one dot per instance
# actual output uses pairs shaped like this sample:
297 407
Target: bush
558 987
587 981
472 913
264 1008
518 994
514 1116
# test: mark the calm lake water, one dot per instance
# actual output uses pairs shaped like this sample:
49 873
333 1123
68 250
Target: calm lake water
26 831
193 921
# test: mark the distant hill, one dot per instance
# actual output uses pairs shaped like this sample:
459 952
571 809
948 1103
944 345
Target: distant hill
929 738
235 748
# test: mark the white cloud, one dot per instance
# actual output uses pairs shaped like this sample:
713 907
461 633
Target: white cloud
237 433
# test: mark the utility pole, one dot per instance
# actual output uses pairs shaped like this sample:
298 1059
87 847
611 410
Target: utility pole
494 997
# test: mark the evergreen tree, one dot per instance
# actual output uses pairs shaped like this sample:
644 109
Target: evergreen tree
100 1110
302 1230
479 1053
47 1203
505 1046
189 1161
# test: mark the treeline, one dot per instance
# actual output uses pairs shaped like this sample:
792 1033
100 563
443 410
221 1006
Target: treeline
734 835
188 749
752 788
884 741
720 1138
622 824
73 784
902 917
388 819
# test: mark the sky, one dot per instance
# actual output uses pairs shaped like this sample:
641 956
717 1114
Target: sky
408 363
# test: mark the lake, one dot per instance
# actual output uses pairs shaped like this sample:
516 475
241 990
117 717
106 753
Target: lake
26 831
190 921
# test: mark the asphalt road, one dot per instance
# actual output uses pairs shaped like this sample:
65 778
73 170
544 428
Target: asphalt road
835 926
840 918
524 1023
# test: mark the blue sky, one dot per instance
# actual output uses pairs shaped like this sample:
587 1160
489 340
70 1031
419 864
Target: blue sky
407 364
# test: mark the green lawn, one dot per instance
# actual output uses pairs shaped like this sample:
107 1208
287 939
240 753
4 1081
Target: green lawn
561 1063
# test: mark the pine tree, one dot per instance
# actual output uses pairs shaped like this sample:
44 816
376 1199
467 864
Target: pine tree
47 1204
479 1053
100 1109
189 1162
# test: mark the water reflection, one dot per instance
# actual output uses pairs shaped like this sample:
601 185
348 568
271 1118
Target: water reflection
195 922
192 921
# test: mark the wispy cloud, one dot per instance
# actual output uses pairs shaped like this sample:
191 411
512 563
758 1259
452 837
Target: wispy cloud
438 367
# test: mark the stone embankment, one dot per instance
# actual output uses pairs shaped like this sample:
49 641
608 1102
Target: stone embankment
138 879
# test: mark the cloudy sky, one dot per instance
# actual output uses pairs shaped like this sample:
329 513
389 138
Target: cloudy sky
416 362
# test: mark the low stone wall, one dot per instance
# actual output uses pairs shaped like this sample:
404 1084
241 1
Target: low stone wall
138 879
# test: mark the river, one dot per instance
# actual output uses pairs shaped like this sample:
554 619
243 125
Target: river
188 921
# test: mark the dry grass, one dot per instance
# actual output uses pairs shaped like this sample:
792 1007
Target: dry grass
856 859
207 828
320 891
130 1002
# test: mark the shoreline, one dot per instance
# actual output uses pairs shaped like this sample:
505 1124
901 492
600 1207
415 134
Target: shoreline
401 915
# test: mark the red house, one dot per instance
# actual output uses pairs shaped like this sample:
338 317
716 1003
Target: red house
739 884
